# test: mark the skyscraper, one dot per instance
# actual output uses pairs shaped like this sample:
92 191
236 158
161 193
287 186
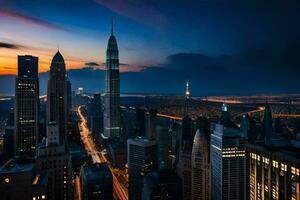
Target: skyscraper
57 94
112 127
273 165
54 157
142 160
227 151
26 107
200 167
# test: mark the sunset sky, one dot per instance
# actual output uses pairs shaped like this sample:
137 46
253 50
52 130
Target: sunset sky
212 42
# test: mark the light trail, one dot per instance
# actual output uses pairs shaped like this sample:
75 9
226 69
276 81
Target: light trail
78 188
120 192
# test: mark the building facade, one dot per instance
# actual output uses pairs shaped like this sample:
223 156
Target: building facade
57 108
54 157
96 182
26 107
227 153
112 123
273 173
142 159
200 167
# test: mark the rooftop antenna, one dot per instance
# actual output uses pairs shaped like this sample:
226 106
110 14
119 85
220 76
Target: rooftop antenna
112 25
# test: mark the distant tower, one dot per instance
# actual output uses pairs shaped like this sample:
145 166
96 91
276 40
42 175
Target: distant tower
26 107
57 94
186 100
112 126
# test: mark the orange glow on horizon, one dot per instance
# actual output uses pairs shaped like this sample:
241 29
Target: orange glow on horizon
9 61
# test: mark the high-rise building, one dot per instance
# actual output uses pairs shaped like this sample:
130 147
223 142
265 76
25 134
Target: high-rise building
200 167
26 107
97 182
57 94
142 159
69 95
273 165
227 151
185 157
112 125
54 157
162 184
95 116
185 172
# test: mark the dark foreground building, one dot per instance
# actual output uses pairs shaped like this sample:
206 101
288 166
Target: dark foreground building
96 182
162 184
19 179
273 165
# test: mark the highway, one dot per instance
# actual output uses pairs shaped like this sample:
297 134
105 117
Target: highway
120 191
77 188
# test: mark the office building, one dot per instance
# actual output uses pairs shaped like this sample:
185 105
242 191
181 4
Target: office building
96 182
57 108
273 165
200 167
227 151
112 123
142 159
54 157
26 107
162 184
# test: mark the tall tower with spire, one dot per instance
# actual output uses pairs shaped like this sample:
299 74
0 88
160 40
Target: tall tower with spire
112 89
186 100
57 94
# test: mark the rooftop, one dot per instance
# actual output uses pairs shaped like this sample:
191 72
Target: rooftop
17 166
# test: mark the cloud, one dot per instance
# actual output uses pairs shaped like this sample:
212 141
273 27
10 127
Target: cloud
248 72
143 12
91 64
29 19
9 45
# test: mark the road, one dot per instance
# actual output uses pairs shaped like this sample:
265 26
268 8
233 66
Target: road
120 191
77 188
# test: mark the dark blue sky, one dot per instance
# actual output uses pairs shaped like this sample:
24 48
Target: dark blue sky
222 47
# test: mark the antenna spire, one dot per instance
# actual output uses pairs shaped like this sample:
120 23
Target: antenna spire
112 26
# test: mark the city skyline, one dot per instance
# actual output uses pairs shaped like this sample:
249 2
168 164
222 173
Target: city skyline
221 44
172 111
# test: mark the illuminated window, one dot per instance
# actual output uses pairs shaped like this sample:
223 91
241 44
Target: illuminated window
283 167
275 164
6 180
265 160
295 171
